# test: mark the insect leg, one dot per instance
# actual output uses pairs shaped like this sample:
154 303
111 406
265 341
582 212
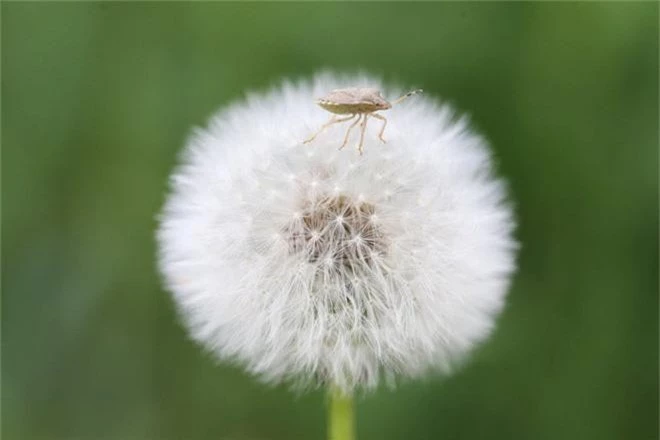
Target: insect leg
382 130
349 130
333 120
364 128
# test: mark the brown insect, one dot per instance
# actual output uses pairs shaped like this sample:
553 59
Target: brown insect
360 103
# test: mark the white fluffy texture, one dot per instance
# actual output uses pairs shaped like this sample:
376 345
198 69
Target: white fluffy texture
315 266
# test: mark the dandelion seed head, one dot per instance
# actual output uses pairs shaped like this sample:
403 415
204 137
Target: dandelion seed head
315 266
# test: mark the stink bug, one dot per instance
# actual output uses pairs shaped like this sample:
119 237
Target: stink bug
360 103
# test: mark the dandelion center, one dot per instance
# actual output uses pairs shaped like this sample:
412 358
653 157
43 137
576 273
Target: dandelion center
338 230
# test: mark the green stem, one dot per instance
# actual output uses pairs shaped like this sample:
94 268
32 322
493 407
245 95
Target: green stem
341 418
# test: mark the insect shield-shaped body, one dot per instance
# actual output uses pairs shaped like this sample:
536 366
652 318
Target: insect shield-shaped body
359 104
353 101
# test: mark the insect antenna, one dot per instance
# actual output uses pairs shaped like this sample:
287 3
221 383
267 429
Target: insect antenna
407 95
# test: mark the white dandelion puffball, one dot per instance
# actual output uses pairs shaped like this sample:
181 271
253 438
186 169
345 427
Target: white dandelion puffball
317 266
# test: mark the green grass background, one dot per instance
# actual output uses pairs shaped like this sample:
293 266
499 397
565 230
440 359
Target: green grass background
98 98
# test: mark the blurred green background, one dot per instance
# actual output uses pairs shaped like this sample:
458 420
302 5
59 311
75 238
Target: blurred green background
98 98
